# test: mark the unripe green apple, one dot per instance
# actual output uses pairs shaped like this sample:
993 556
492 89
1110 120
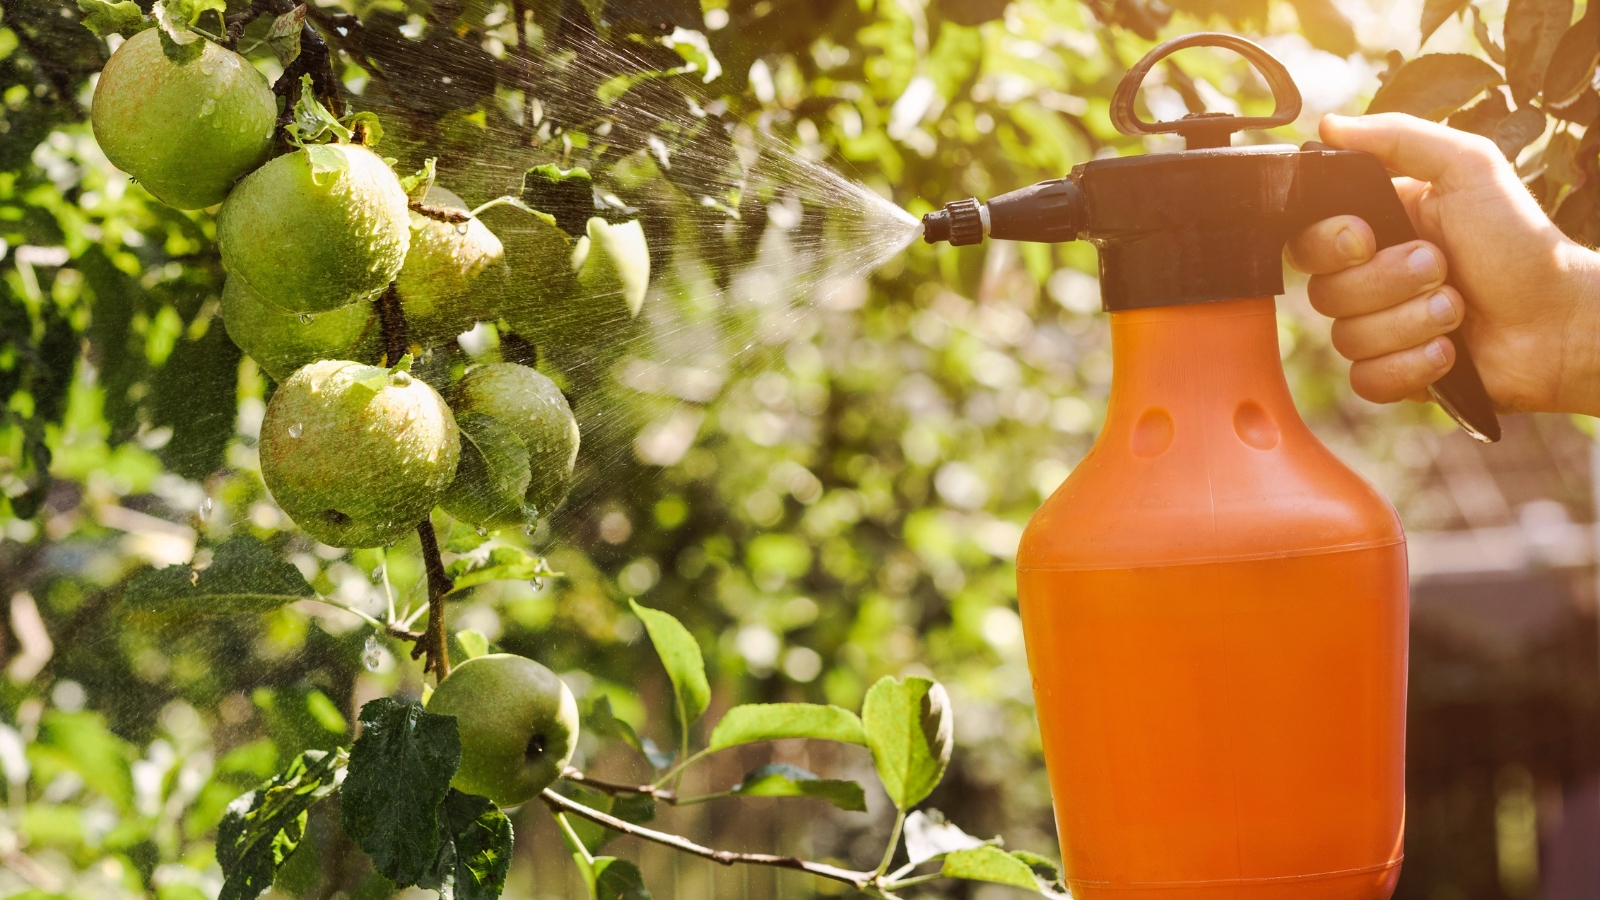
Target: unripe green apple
316 229
282 342
610 271
518 724
357 455
185 130
531 405
451 274
540 279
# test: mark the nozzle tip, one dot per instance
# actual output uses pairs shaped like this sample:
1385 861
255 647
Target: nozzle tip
961 223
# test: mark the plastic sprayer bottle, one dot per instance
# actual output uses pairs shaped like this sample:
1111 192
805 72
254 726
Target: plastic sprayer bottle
1215 607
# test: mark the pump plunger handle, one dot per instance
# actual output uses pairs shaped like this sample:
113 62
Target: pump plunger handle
1204 130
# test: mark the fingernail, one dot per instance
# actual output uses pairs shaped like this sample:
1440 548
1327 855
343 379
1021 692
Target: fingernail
1436 354
1441 309
1350 246
1425 264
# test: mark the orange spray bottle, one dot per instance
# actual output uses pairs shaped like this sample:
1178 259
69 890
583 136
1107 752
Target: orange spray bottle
1215 607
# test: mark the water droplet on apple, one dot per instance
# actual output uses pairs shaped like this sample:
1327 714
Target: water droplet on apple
296 429
305 319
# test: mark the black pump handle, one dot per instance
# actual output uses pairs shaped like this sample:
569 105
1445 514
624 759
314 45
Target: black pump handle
1352 183
1207 129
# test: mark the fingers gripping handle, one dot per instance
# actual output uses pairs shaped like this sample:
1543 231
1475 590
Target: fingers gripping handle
1350 183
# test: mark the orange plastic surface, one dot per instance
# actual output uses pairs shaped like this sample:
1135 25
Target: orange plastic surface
1215 610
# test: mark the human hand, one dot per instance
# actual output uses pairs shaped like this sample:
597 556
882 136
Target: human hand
1529 294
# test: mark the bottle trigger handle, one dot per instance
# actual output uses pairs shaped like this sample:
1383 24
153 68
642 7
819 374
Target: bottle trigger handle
1354 183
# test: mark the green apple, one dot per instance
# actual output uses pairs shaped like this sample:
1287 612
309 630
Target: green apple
316 229
357 455
185 130
609 273
518 724
282 342
540 279
534 409
451 274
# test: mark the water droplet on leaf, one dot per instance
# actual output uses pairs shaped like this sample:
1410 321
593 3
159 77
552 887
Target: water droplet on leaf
305 319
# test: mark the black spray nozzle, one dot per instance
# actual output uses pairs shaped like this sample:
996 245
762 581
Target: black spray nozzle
1048 212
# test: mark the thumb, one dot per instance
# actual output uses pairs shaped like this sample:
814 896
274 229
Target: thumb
1415 147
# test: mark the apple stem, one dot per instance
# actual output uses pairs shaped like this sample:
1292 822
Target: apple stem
559 804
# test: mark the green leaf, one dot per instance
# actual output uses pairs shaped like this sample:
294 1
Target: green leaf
469 644
492 478
366 129
615 262
1326 27
1518 130
123 17
1572 65
784 780
315 122
474 849
618 879
400 771
989 863
909 730
929 835
80 742
1435 85
565 194
686 668
416 185
602 721
777 721
260 829
1045 871
244 577
175 28
463 538
1532 30
1436 12
283 38
502 564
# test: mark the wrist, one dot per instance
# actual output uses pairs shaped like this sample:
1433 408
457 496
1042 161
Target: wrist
1574 329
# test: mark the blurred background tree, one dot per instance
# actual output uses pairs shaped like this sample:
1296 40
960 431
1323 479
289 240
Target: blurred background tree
824 475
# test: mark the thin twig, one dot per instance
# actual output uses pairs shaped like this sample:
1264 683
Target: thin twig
612 787
434 643
238 22
558 803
